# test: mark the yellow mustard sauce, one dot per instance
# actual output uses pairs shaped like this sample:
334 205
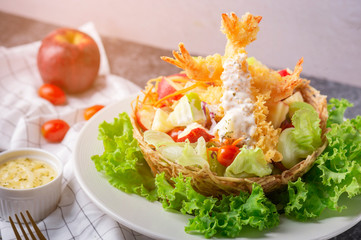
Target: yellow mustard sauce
25 173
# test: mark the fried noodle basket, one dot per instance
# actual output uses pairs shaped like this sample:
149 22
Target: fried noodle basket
208 183
203 179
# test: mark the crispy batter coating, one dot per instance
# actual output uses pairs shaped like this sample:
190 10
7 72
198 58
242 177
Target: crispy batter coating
239 32
289 83
268 81
267 85
197 68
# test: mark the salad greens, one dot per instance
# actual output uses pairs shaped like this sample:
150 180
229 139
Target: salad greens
336 110
336 172
122 161
299 142
249 163
188 110
225 217
184 153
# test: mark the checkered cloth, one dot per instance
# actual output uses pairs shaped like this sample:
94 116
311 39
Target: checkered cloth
22 114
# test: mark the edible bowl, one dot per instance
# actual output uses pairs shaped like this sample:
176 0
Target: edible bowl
39 201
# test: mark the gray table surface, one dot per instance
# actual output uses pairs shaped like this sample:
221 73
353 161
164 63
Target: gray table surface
138 63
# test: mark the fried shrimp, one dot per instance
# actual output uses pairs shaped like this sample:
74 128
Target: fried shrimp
268 92
289 83
267 81
197 68
239 32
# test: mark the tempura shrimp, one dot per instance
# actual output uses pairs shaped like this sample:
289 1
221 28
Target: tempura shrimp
267 81
239 32
289 83
197 68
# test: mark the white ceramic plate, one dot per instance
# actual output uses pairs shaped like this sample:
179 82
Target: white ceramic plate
150 219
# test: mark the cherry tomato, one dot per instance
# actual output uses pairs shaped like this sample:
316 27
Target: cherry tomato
89 112
196 133
175 132
54 130
52 93
226 154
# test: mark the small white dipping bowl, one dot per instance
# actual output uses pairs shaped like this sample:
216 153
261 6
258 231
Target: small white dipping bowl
39 201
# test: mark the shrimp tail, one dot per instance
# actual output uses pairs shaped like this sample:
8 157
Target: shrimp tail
239 32
197 68
291 82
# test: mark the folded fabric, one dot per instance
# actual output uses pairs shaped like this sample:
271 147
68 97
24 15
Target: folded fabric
22 114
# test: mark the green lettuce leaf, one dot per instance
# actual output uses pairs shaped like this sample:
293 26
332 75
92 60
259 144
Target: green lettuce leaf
184 153
231 214
305 201
194 155
182 197
217 217
336 110
335 173
122 161
248 163
295 106
297 143
157 138
307 131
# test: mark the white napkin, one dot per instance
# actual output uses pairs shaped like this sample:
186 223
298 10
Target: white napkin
22 114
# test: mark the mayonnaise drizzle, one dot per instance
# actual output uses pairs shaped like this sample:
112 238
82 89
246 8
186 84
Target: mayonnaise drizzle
238 120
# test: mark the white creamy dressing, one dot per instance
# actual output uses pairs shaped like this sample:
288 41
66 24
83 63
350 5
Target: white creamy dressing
238 120
25 173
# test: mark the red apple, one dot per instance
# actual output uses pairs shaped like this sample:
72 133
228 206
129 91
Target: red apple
69 59
164 88
168 85
145 116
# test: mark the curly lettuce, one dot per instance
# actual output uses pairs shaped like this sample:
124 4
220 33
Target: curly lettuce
336 172
224 217
124 166
122 161
336 110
